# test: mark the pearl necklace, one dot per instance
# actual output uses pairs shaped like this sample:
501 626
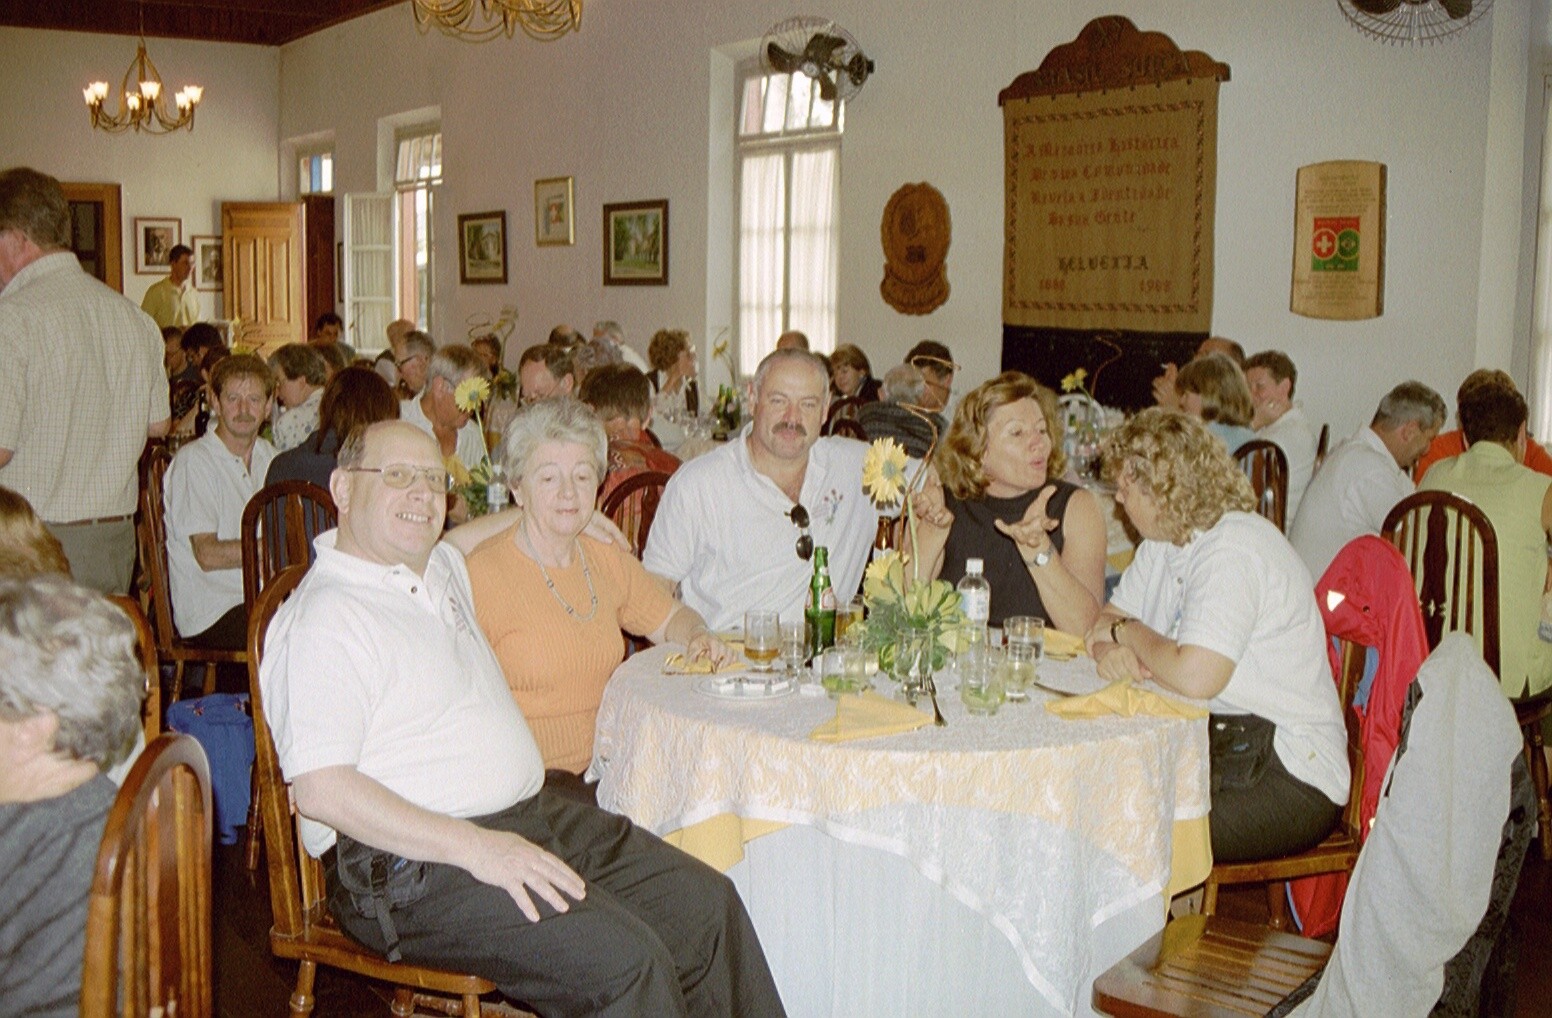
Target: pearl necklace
586 575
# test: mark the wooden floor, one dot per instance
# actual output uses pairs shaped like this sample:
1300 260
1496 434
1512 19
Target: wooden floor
250 982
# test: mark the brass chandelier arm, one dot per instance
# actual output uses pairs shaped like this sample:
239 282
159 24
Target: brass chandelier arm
482 20
142 101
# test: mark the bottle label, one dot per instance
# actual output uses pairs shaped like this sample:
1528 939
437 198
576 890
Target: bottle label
827 600
976 604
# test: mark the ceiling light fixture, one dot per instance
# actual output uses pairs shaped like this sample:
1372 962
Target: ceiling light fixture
479 20
142 102
1413 22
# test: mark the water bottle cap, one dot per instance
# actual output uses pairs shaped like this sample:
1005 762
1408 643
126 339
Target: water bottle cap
974 566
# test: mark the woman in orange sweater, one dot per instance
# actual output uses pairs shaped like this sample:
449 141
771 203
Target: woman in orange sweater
554 602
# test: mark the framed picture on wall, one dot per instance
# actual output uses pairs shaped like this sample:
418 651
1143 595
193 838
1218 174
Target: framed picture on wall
636 243
482 247
207 262
154 240
553 212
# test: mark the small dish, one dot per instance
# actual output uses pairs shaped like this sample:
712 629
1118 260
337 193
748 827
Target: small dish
728 687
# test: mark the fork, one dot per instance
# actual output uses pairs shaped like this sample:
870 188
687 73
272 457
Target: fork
937 715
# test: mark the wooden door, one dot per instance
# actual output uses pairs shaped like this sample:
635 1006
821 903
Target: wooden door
320 254
95 230
262 243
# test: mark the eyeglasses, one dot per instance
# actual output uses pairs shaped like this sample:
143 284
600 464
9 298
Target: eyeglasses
400 475
409 360
805 545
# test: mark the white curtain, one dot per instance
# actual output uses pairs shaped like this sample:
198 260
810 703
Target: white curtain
1541 347
761 256
815 246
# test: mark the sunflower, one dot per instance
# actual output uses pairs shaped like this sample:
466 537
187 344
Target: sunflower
883 471
1074 381
471 394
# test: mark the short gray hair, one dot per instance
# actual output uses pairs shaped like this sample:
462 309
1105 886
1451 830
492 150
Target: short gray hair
418 343
66 650
776 357
610 329
561 419
1410 401
454 363
904 383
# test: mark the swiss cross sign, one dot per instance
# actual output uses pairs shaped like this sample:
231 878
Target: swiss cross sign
1334 244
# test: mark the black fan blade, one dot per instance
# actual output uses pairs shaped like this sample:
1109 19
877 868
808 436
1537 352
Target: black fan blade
1456 8
827 87
1376 6
821 49
858 68
782 61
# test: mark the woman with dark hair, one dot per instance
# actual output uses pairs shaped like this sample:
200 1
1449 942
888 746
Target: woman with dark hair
852 375
673 379
997 495
353 398
1213 389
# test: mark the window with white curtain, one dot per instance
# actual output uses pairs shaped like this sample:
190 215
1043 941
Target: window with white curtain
417 174
1541 344
788 161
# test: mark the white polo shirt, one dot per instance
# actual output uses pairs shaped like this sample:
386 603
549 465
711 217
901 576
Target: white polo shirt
1293 436
205 492
1348 497
381 669
722 533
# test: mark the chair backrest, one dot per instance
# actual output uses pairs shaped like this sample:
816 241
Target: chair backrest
633 505
1266 466
848 427
296 890
145 642
151 538
148 918
1354 658
1451 548
843 409
1322 445
278 526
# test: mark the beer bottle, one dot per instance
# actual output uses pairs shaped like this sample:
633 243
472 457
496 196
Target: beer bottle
819 616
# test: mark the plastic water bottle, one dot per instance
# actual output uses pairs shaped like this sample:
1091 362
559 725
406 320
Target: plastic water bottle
975 594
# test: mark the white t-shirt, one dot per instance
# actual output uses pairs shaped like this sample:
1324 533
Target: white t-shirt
384 670
205 491
722 533
471 444
1293 436
1239 590
1348 497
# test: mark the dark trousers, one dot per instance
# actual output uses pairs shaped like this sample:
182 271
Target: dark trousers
229 632
658 933
1276 815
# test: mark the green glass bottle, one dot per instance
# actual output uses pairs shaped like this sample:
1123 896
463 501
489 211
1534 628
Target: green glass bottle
820 613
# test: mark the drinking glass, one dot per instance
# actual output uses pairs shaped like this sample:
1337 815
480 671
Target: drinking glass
912 662
794 647
981 680
762 639
1025 636
846 616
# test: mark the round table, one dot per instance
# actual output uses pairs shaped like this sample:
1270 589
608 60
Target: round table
1004 860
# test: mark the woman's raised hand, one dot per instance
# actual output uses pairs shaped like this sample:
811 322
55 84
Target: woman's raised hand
1033 532
928 502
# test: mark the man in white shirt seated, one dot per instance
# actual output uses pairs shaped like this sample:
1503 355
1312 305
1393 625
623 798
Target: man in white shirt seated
300 374
436 413
736 527
207 486
612 334
1277 418
407 751
1365 476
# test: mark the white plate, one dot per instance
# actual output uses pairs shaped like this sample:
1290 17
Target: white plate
727 687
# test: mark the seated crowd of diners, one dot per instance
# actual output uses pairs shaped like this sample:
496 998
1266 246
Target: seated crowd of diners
433 684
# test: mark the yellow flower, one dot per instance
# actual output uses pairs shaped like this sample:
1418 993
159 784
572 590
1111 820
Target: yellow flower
471 394
883 471
459 472
720 349
1074 381
884 578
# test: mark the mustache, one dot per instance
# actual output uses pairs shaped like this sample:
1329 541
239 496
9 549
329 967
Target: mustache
794 427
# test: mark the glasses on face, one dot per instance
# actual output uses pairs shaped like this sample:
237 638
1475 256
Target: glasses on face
805 545
409 360
401 475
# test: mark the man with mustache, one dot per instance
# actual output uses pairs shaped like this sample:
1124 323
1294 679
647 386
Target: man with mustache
729 530
206 488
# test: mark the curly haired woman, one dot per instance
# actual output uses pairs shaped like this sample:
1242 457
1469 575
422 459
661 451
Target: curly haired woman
1218 606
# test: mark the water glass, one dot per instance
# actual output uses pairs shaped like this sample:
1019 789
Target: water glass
981 680
794 647
912 662
762 639
1025 636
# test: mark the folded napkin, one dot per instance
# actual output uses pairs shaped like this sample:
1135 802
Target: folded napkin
678 664
866 717
1060 646
1124 699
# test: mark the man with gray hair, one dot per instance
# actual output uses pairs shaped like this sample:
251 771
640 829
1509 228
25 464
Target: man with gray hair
904 385
612 334
436 412
416 349
1366 475
70 691
82 386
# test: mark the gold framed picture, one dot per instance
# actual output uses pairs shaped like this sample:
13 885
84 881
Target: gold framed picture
554 217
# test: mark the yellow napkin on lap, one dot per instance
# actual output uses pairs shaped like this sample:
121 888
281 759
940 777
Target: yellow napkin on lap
1124 699
866 717
1060 646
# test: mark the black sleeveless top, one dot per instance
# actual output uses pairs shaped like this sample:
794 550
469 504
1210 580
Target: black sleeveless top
974 536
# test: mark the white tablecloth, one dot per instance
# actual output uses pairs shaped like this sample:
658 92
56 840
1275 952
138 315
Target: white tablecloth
1045 827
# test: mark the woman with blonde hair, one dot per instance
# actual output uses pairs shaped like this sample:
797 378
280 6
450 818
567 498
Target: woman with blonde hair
1213 388
673 382
26 546
996 494
1218 606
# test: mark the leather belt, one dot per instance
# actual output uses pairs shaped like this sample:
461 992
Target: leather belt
91 523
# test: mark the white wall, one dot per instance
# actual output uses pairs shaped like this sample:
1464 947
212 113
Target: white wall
229 156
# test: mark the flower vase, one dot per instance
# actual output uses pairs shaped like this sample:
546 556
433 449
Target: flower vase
911 662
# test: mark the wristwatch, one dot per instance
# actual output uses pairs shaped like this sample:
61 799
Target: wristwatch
1115 629
1041 559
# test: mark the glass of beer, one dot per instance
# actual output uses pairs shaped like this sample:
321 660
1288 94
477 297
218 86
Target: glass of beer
762 639
846 616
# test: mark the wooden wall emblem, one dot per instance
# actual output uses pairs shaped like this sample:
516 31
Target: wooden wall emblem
915 233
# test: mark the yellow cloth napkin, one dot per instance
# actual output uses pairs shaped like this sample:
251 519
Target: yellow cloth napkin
1124 699
866 717
1060 646
678 664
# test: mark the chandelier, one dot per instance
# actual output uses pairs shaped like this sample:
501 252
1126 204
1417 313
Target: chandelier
1413 22
479 20
142 102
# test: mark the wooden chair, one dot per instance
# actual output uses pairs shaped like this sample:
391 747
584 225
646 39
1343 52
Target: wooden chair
1322 444
1209 967
303 929
151 537
633 506
148 916
1452 550
849 427
843 409
278 527
145 642
1267 467
1338 852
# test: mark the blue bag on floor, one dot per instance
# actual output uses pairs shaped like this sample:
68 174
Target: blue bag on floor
224 729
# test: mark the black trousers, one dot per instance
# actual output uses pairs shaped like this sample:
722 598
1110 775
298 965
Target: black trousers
1276 814
659 933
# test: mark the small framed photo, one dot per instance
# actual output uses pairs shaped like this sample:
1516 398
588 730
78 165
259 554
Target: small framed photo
154 240
553 212
482 247
207 262
636 243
